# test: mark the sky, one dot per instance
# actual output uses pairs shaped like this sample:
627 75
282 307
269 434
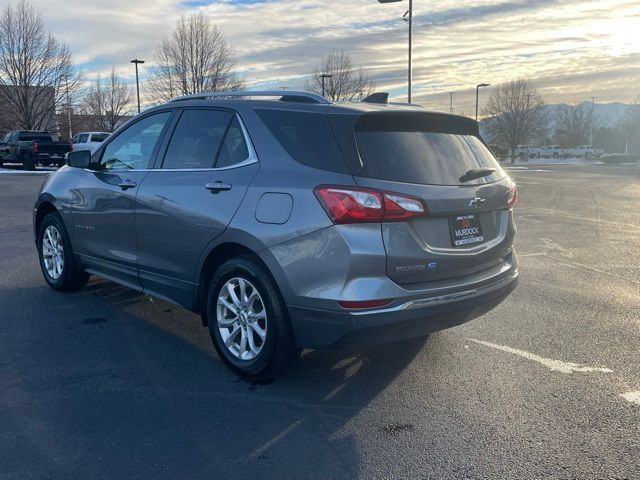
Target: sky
571 50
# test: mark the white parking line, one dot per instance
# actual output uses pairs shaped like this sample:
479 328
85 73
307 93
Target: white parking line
276 439
551 364
633 397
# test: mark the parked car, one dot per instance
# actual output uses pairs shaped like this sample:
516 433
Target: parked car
499 152
89 141
524 151
553 151
618 158
288 221
31 148
584 151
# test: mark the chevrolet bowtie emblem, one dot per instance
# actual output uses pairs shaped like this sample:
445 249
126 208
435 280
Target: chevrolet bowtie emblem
477 202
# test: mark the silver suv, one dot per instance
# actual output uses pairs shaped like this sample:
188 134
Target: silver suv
288 221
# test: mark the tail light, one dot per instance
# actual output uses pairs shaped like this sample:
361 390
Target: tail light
512 197
36 147
366 205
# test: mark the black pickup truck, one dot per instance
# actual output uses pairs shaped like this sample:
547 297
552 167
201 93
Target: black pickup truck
32 148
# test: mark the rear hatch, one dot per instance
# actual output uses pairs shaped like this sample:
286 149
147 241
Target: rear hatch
468 228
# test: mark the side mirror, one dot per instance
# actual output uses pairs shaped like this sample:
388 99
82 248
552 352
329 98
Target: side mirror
80 159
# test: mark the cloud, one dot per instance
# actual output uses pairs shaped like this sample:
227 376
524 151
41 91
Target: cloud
570 49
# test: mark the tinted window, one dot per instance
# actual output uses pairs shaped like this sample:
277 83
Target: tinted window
196 140
132 149
423 157
99 137
307 137
84 138
425 148
234 149
39 136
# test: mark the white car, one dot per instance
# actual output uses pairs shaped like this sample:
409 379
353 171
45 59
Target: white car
552 151
585 151
88 141
529 151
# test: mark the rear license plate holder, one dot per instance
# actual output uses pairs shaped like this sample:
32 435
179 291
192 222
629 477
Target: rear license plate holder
465 230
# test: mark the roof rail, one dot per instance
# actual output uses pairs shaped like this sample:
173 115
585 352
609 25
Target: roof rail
286 96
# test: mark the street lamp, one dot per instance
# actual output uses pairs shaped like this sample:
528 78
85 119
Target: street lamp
322 77
478 87
136 61
408 16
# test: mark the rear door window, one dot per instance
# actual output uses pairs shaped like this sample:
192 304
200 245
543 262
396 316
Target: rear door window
99 137
196 140
306 136
412 152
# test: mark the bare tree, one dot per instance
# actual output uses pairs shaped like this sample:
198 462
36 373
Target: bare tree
573 124
346 82
109 101
196 58
36 70
513 114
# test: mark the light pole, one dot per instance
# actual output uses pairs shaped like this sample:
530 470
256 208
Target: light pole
593 104
450 102
478 87
408 16
322 77
136 61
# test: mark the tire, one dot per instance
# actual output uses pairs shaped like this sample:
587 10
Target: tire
71 276
27 162
277 351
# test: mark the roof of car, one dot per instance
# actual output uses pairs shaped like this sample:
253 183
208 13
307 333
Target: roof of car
295 100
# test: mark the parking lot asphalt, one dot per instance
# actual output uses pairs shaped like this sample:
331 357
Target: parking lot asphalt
109 383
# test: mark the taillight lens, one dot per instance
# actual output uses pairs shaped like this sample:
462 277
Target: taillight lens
362 205
35 147
512 197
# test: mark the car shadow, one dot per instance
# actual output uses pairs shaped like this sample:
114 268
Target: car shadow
107 382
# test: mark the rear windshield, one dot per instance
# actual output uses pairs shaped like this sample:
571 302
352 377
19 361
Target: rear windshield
41 136
99 137
411 149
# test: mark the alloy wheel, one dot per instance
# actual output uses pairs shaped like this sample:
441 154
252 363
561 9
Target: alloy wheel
53 252
242 318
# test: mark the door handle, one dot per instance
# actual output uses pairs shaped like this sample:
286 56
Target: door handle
217 187
127 184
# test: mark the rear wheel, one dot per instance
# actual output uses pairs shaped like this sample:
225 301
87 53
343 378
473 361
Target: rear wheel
248 320
27 162
57 261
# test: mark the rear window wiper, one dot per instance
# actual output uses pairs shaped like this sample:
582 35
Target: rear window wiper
476 173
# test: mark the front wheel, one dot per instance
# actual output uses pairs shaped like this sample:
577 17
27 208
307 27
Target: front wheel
57 261
248 320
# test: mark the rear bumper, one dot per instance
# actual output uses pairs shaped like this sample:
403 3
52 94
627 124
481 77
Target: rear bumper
318 328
